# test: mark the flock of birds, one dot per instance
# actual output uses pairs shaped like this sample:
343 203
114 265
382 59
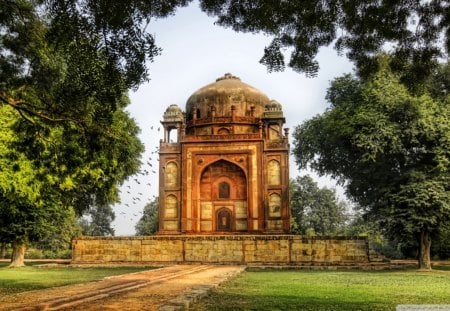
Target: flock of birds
137 187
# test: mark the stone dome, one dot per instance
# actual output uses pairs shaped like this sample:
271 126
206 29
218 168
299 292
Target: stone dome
226 92
173 113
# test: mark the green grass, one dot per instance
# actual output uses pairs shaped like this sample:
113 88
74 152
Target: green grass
330 290
31 277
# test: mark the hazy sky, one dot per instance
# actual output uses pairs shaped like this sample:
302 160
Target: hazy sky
195 53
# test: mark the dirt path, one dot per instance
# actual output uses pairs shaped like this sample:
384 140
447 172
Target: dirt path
169 288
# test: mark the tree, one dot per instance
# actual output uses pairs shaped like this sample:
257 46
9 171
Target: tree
416 32
59 59
441 247
315 208
65 67
389 148
100 221
148 224
51 173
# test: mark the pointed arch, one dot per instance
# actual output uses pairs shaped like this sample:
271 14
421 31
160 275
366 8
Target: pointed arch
171 175
223 131
223 219
224 190
214 177
273 173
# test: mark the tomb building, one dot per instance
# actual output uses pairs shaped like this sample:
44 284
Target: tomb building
224 163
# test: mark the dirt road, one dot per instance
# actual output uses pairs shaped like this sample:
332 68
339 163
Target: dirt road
169 288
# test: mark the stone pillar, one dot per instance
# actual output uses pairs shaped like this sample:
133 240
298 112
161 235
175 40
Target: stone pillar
286 135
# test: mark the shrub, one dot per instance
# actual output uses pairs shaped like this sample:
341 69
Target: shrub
34 253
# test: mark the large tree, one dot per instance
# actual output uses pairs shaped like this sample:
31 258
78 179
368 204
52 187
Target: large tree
60 59
49 173
315 208
390 149
27 211
416 31
64 69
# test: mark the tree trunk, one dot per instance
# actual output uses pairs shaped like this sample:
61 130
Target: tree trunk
2 250
424 250
18 255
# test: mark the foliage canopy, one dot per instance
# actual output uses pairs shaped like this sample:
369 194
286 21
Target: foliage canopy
416 32
389 147
316 209
148 223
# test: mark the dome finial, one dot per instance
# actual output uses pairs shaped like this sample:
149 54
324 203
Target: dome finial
227 76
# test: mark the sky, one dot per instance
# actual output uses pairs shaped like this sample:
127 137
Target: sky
194 53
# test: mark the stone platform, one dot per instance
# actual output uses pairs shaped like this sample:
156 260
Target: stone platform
222 249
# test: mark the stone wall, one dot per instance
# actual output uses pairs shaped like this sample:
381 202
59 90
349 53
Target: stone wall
224 249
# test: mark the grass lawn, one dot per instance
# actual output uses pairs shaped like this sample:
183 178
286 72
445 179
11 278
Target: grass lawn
330 290
14 280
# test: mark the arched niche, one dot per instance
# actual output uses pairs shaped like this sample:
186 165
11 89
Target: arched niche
273 173
224 190
223 220
223 131
171 175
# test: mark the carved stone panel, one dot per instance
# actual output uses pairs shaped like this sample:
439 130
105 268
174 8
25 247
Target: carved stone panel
240 208
171 225
241 225
171 206
206 210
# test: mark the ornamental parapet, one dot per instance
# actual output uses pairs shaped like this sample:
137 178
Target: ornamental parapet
222 137
220 120
276 145
169 147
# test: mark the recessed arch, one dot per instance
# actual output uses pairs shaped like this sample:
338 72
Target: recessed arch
224 219
223 131
171 175
219 173
224 190
273 173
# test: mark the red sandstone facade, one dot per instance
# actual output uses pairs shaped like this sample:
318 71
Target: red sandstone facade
224 163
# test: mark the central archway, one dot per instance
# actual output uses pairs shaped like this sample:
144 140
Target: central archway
223 197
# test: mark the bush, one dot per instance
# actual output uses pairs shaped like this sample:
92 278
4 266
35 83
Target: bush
65 254
34 253
60 254
387 249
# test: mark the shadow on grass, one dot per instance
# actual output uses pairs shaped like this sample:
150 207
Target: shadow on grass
227 302
443 268
5 264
